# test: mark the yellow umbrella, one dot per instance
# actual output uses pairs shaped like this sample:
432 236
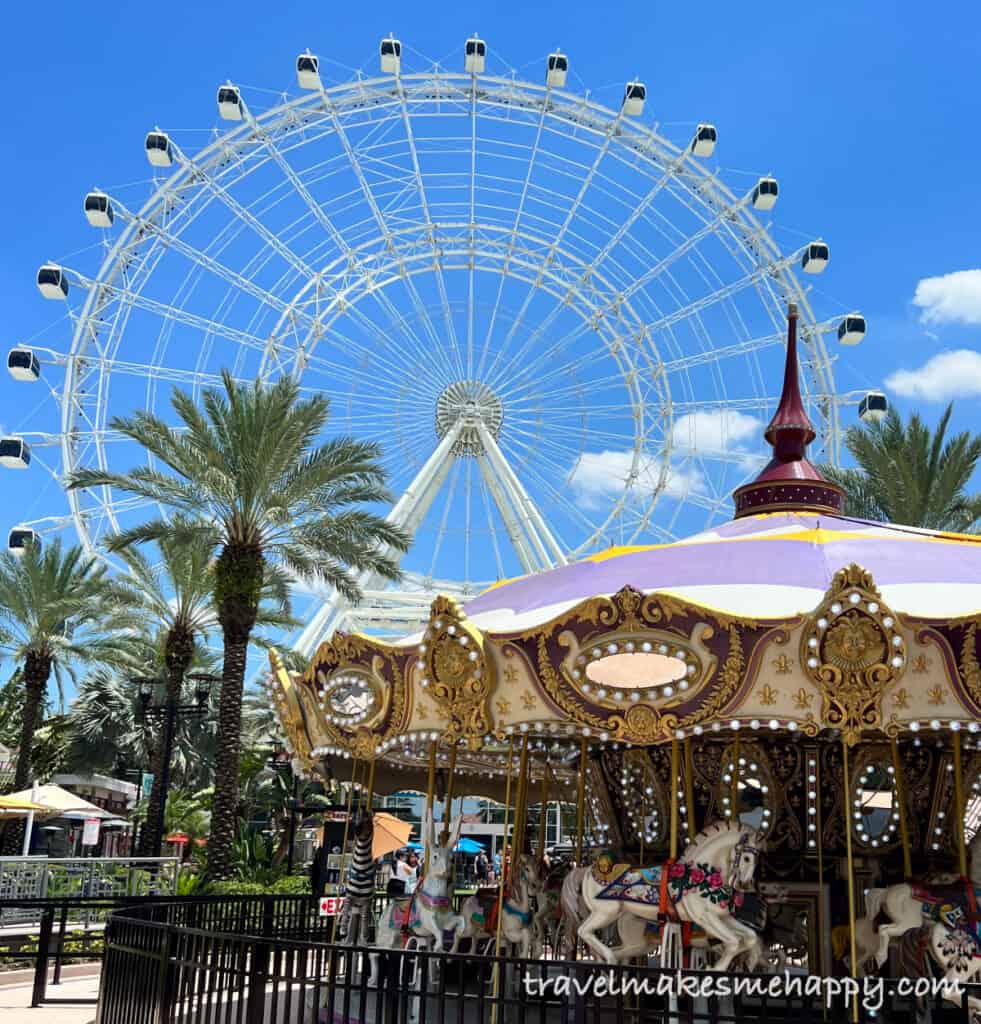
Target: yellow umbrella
15 805
391 833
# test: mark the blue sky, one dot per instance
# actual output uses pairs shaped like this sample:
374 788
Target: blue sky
865 112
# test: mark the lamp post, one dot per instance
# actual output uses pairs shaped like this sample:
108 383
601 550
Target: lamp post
168 712
278 762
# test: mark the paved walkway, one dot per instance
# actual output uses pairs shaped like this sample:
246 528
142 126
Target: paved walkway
15 1003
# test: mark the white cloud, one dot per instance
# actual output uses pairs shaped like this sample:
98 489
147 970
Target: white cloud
944 376
951 298
601 476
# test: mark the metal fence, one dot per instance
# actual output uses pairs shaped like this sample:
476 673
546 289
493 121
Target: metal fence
269 961
81 878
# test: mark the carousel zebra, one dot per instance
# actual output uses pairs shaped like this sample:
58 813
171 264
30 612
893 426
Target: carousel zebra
357 920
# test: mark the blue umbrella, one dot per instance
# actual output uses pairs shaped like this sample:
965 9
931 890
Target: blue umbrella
466 845
414 846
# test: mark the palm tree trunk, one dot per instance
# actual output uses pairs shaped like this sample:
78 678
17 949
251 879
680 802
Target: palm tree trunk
178 653
238 588
37 670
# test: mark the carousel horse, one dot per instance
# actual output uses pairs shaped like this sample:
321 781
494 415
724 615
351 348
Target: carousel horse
950 913
428 912
359 885
705 888
517 911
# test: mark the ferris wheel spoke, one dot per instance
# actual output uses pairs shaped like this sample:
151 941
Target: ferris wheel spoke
444 516
491 528
424 204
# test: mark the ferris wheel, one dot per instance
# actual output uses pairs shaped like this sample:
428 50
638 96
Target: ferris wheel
555 319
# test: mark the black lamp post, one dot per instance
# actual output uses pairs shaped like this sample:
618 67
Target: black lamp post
277 763
168 713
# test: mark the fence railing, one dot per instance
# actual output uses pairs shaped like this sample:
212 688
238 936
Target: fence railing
268 961
81 878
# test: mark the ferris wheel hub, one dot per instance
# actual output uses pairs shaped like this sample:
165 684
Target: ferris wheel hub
470 403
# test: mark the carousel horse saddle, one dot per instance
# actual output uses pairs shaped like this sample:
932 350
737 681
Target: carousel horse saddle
402 914
632 885
953 905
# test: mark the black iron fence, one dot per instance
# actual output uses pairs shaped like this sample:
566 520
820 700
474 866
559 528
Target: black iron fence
269 961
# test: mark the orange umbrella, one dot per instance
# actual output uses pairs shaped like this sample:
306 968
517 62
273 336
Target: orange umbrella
391 833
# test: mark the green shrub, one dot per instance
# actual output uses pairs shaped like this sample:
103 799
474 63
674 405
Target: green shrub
291 885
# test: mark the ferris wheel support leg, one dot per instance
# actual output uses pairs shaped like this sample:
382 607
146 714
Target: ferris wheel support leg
407 513
509 516
541 537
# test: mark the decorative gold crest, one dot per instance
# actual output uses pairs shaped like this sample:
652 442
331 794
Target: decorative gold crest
851 648
456 670
768 696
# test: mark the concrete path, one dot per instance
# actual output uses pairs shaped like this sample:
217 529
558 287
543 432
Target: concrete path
15 1003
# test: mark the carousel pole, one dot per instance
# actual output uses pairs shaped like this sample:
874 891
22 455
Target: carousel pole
820 852
959 806
689 788
543 816
347 826
500 885
901 800
581 801
521 803
370 792
450 774
734 784
430 796
675 782
851 872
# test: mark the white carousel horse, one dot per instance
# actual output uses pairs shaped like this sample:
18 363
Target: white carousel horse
703 885
517 913
954 939
428 913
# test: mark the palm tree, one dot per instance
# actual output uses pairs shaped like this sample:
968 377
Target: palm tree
58 609
908 474
248 463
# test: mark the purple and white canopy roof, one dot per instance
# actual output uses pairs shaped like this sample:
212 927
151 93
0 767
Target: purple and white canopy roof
772 565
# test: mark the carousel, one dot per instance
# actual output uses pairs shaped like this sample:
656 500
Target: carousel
769 731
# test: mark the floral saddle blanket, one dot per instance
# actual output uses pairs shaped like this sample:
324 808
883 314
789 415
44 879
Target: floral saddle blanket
643 885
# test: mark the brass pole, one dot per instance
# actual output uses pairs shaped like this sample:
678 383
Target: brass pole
543 815
521 804
959 805
675 782
643 830
734 784
500 886
430 796
347 825
370 795
900 785
451 772
820 852
690 789
851 871
581 801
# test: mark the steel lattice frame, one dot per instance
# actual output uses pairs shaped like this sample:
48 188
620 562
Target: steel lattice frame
367 270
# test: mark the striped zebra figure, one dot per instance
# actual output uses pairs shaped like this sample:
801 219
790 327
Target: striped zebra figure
357 920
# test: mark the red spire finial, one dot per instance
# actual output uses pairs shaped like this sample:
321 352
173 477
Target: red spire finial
789 482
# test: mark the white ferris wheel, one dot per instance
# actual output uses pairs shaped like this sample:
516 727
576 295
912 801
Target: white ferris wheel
557 321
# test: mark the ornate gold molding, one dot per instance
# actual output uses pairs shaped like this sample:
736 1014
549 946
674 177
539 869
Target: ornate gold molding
458 673
851 648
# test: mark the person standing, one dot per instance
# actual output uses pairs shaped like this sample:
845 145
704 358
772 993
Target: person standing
480 866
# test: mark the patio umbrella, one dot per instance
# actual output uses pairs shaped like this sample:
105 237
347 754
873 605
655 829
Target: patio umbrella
391 833
466 845
16 806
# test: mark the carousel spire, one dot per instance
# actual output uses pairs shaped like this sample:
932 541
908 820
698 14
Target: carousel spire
789 482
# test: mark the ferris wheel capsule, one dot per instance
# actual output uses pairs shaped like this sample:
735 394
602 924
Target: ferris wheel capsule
15 453
52 282
557 69
19 538
815 257
158 150
23 364
229 103
851 330
308 71
765 193
98 210
390 52
634 95
475 56
704 140
873 407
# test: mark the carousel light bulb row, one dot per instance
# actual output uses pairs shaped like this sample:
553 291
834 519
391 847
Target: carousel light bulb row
812 803
727 778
